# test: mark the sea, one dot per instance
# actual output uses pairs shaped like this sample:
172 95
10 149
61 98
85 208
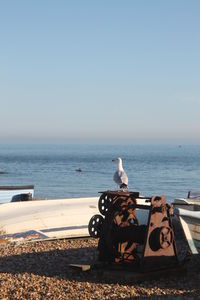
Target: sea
170 170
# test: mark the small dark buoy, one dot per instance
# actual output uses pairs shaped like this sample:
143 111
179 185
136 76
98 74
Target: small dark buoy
78 170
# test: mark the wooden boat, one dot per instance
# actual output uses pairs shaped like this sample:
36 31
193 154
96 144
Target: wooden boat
188 211
48 219
190 221
16 193
191 202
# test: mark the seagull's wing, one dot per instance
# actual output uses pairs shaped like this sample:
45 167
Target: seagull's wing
117 178
124 177
120 177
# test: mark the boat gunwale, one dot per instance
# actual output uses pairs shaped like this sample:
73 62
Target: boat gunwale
12 187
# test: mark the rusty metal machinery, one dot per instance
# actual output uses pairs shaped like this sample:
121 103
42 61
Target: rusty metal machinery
124 241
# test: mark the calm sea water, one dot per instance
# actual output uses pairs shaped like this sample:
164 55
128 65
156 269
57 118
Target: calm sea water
170 170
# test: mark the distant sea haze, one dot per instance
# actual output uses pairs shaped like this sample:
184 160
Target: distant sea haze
169 170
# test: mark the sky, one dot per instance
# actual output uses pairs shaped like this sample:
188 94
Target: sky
100 71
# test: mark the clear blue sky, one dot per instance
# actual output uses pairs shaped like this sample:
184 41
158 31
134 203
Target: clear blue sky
100 71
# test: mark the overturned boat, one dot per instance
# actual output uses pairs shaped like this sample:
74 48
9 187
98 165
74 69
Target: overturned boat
45 219
50 219
12 193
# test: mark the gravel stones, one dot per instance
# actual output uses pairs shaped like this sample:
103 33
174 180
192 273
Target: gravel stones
40 270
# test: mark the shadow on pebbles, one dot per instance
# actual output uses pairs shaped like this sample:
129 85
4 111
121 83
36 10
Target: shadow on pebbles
40 270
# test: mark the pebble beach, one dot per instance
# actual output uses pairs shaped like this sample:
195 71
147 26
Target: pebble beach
41 270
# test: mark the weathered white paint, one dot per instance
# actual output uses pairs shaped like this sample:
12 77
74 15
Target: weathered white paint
190 221
51 219
57 218
190 204
187 201
188 235
7 194
188 213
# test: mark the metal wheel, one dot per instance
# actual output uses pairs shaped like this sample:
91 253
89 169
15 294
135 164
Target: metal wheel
95 226
104 202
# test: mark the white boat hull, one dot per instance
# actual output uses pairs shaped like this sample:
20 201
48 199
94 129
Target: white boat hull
9 193
50 219
46 219
190 221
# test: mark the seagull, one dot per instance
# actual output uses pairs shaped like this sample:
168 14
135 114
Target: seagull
120 176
